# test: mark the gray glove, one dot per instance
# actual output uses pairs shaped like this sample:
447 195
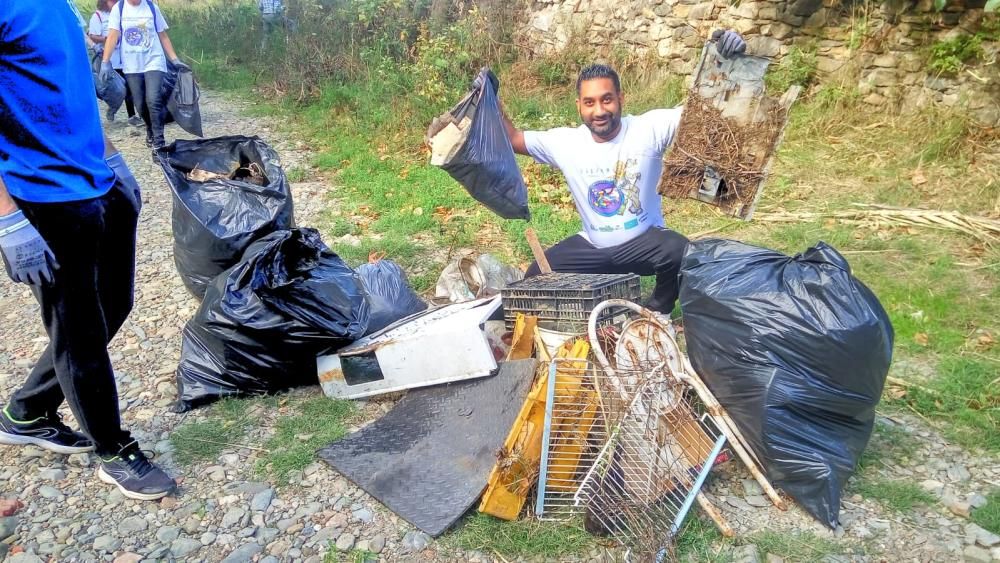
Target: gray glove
129 186
180 65
106 71
728 43
27 256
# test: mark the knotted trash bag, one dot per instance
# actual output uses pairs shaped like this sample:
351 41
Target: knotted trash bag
265 320
471 144
797 351
227 193
179 99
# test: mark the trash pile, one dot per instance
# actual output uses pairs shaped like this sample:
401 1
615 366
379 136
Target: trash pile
274 297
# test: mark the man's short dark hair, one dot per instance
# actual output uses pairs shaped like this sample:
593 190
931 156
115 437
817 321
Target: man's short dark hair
598 71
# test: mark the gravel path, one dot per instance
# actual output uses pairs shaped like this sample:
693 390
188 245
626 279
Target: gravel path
224 513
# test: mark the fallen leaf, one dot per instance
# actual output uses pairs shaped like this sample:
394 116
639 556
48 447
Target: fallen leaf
896 392
921 338
984 342
418 211
918 177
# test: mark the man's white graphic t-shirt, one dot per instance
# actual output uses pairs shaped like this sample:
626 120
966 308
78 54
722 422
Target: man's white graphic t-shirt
613 183
139 45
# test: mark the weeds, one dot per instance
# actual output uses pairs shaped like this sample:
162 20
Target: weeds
522 538
989 516
312 423
227 422
798 67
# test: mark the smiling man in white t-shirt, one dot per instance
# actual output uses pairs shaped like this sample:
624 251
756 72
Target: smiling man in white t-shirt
612 165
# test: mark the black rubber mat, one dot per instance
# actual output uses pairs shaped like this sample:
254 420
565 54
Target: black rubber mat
428 458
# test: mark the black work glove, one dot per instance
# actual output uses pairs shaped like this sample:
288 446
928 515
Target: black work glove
728 43
477 83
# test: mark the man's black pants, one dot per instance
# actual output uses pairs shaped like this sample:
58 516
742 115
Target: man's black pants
129 104
94 242
657 251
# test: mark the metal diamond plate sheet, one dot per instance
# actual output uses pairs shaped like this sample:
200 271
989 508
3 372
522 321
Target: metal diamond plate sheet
428 458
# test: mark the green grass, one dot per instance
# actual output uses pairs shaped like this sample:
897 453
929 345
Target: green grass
522 538
900 496
793 547
701 541
227 423
334 555
989 516
312 423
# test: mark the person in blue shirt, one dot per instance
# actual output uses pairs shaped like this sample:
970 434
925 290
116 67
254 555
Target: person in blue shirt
68 212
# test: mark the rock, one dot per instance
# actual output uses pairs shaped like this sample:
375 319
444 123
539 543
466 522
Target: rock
976 500
232 517
168 534
182 547
416 541
758 501
168 503
745 554
981 536
376 544
269 559
266 535
959 473
959 507
8 526
52 474
106 543
24 557
973 554
262 500
49 492
364 515
8 507
132 525
208 538
933 487
128 557
345 542
751 487
243 553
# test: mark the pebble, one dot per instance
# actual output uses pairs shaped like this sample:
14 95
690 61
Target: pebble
345 542
981 536
52 474
364 515
416 541
106 543
959 473
24 557
182 547
262 500
243 553
376 544
131 525
974 554
49 492
8 526
168 534
232 517
208 538
128 558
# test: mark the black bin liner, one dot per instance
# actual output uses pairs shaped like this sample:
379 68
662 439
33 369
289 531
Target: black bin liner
264 321
214 222
797 350
389 294
485 164
180 99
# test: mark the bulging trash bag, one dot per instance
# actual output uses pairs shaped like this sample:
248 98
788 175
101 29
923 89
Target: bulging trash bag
471 144
389 294
228 192
264 321
111 91
180 96
797 350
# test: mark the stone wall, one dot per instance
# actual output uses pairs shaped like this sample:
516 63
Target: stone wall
881 44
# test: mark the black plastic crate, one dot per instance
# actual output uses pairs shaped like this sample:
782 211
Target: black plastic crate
563 302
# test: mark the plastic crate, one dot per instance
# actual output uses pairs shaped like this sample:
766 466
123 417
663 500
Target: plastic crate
563 302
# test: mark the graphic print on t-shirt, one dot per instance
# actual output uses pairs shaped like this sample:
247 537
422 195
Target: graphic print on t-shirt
618 195
139 36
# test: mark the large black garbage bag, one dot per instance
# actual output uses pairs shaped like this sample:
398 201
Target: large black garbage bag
483 159
110 91
215 220
797 350
389 294
264 321
179 99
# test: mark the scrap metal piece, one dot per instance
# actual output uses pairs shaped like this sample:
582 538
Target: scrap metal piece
428 458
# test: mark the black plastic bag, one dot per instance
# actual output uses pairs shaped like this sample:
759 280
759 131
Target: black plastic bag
264 321
797 350
111 91
215 220
484 163
389 294
179 99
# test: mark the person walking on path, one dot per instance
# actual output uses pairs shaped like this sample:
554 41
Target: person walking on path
272 17
97 31
68 212
137 28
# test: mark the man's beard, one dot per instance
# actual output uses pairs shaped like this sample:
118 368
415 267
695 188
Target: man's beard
607 129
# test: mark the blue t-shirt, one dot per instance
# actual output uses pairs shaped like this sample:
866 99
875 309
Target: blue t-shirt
51 143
